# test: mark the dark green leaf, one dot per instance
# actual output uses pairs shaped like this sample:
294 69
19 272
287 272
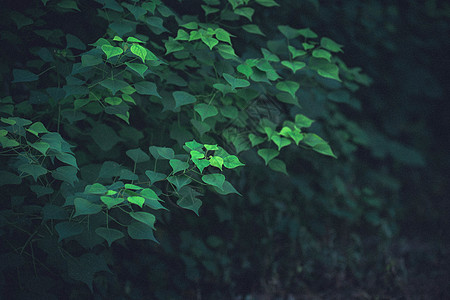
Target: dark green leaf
140 231
137 155
68 229
109 234
85 207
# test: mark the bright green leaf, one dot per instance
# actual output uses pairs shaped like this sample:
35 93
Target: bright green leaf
139 51
111 51
232 162
139 201
111 201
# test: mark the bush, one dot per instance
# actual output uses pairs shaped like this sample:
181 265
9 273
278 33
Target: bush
118 115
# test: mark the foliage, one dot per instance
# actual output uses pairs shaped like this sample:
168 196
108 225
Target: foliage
109 131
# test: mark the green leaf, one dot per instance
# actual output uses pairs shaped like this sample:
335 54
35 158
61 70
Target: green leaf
66 173
320 53
287 98
138 68
130 186
201 164
173 46
209 41
302 121
288 31
209 147
296 53
139 51
205 111
216 161
8 143
222 35
216 180
114 85
74 42
294 66
231 162
182 35
109 234
23 76
268 154
255 140
85 207
146 88
145 218
111 201
209 10
40 146
188 199
33 170
325 68
194 145
134 40
154 176
252 28
137 155
96 189
68 4
138 200
245 12
37 128
312 139
141 231
161 152
230 112
278 165
178 165
67 158
330 45
235 82
227 188
113 100
68 229
183 98
267 3
179 181
280 141
325 149
307 33
111 51
290 87
245 69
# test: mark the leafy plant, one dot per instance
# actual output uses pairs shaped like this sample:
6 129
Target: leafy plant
106 133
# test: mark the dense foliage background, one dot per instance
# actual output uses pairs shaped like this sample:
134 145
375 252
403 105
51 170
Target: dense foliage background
113 112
